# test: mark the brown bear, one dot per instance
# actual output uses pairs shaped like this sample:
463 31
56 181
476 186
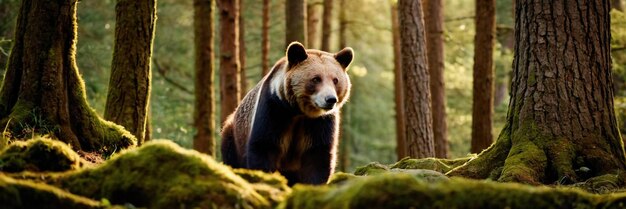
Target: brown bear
289 122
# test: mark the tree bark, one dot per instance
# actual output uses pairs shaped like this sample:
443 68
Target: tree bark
326 24
243 82
204 106
312 23
295 18
229 57
43 92
265 40
617 4
561 116
418 118
482 107
345 136
434 47
129 85
398 92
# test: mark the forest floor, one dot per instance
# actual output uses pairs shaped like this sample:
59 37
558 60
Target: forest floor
44 173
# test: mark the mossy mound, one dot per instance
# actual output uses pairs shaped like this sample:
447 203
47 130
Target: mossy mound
271 186
400 190
421 174
26 194
39 154
160 174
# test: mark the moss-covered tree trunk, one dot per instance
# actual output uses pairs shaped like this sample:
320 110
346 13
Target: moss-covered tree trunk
416 85
204 110
482 105
229 57
295 19
398 93
43 91
433 20
560 125
265 38
129 85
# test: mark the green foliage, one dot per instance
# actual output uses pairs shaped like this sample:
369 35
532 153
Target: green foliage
161 174
39 154
400 190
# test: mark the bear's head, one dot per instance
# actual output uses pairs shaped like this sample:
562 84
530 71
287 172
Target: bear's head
317 81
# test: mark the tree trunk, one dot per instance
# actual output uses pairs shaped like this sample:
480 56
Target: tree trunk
243 82
129 85
229 57
617 4
418 118
398 93
561 116
43 92
204 106
345 136
295 18
312 23
482 107
326 24
265 40
434 48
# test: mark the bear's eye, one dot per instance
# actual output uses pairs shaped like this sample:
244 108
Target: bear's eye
335 80
316 79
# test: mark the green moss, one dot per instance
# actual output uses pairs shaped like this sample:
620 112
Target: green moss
271 186
39 154
25 194
371 169
160 174
340 178
404 191
439 165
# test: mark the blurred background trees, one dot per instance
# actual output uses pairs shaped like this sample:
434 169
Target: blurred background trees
369 116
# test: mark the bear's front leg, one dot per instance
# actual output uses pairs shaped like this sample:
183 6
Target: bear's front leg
260 156
317 165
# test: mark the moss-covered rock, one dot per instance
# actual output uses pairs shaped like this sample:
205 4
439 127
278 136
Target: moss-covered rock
39 154
271 186
160 174
26 194
371 169
400 190
399 167
340 178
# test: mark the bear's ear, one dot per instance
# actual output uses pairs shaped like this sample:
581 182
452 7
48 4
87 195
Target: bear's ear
296 53
344 57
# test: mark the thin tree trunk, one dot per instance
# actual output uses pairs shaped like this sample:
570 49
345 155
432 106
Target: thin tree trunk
129 85
295 18
43 88
561 116
229 57
326 24
418 118
617 4
243 81
265 41
482 107
398 93
434 48
204 106
313 19
345 136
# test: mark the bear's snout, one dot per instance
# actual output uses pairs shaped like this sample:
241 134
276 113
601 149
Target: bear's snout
325 101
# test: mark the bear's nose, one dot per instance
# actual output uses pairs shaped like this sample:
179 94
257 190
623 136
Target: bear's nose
331 100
